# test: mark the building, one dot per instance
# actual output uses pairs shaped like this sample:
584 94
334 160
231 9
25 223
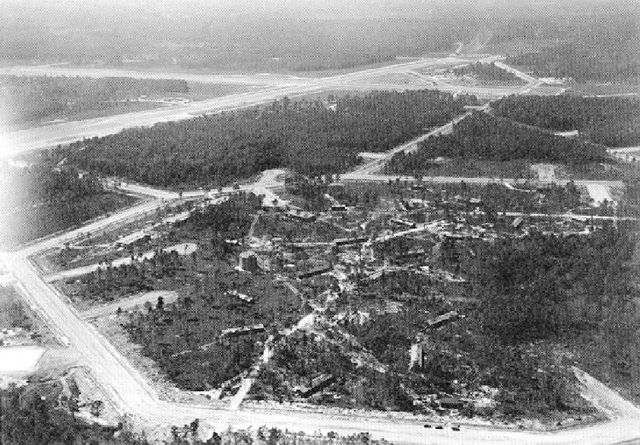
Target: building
317 384
249 261
242 330
240 296
451 403
315 271
402 223
301 215
443 319
348 241
517 222
568 134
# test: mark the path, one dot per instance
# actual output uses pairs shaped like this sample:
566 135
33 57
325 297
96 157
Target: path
131 393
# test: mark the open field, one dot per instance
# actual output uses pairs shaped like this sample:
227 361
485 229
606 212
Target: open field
19 359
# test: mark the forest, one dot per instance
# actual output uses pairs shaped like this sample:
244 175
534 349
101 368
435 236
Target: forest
299 36
535 295
40 200
486 72
263 38
551 287
611 121
607 60
486 137
600 48
128 279
40 414
306 136
304 356
213 224
25 99
185 338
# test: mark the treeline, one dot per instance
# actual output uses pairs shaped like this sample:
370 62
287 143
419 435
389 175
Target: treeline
576 291
486 71
42 414
543 286
301 358
39 414
606 59
536 295
40 200
486 137
612 121
460 359
601 46
267 39
186 339
306 136
128 279
29 99
229 219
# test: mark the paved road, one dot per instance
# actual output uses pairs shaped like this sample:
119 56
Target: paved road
413 145
365 177
124 385
181 249
532 82
99 72
132 394
63 133
365 171
67 132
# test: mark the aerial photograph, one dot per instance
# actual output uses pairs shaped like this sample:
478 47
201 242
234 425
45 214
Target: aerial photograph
319 222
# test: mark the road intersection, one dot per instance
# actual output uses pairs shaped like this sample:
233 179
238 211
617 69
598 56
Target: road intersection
131 394
277 87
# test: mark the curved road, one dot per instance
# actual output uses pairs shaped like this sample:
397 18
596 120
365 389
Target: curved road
130 392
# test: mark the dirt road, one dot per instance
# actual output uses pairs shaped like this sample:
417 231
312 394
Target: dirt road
132 394
129 391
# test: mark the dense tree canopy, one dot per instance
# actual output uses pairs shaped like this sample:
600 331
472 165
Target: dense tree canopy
308 136
542 286
41 414
482 136
486 71
40 200
185 338
612 121
605 49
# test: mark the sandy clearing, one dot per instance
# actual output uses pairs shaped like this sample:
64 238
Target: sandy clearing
19 359
599 193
